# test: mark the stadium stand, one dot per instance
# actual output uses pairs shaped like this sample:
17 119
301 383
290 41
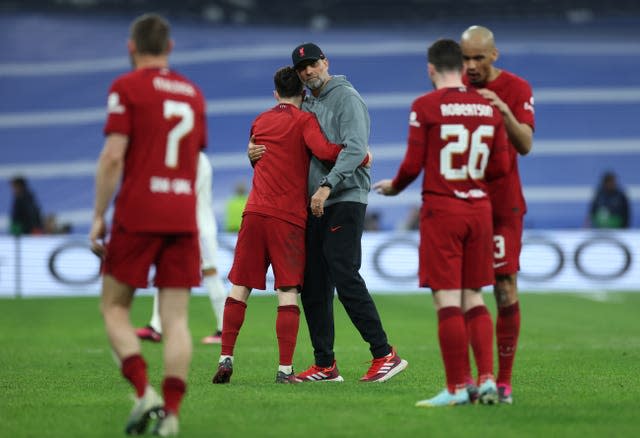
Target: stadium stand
54 80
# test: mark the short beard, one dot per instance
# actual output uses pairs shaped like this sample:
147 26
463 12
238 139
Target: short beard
314 84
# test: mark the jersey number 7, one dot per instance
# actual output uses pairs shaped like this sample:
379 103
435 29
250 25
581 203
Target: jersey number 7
184 111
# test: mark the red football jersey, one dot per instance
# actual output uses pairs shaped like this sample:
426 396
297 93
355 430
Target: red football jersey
459 140
506 193
280 177
163 114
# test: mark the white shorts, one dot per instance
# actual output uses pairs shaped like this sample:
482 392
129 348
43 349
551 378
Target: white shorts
207 227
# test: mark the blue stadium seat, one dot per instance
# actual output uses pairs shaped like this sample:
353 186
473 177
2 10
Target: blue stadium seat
54 92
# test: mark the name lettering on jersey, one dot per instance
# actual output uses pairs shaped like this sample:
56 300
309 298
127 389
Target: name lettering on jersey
466 109
177 186
113 104
175 87
528 106
413 119
473 193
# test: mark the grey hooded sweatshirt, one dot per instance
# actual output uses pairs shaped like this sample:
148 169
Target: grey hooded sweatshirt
344 119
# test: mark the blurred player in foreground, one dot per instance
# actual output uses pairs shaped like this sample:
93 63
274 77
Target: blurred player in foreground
208 234
512 96
459 141
155 129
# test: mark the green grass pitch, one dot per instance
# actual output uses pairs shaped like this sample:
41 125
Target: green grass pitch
577 374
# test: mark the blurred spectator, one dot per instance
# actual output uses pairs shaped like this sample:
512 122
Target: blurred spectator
51 225
610 205
372 221
235 207
25 211
413 219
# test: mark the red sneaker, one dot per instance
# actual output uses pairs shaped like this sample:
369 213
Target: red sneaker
320 374
149 334
384 368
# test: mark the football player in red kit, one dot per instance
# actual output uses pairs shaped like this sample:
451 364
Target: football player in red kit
512 96
155 130
459 140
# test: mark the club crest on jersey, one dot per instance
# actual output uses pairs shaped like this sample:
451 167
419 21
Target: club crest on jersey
413 120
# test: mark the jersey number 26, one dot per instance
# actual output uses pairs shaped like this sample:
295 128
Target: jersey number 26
478 151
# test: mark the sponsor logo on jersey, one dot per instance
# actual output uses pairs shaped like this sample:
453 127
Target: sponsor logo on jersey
113 104
177 186
528 106
473 193
413 120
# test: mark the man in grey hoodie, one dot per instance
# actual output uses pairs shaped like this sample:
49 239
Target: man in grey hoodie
334 230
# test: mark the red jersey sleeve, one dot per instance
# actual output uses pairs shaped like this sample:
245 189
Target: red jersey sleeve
523 108
414 158
118 110
499 163
316 141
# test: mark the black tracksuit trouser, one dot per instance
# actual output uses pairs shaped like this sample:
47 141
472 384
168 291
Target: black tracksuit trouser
334 256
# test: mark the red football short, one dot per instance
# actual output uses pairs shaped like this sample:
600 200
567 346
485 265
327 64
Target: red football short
456 251
507 244
265 240
175 256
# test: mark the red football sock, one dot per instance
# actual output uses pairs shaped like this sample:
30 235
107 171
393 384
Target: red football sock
480 331
468 374
134 369
173 389
234 311
507 332
287 323
453 345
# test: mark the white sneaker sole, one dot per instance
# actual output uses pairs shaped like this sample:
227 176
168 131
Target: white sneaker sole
335 379
394 371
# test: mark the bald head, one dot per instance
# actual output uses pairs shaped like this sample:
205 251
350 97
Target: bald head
478 36
479 53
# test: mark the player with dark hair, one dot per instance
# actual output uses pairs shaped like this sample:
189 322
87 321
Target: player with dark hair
154 131
274 220
459 141
512 96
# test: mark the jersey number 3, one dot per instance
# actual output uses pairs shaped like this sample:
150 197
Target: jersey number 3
478 151
184 111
